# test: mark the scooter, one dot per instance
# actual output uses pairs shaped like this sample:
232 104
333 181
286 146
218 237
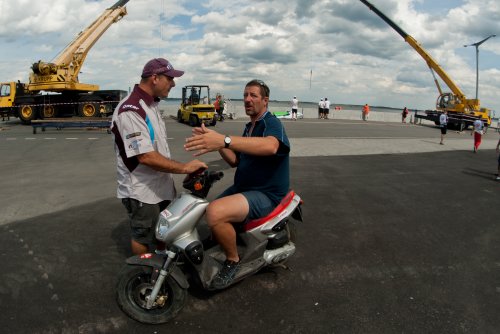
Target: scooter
152 287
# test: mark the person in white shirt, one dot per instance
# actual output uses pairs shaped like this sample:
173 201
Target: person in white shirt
477 130
321 107
295 107
443 125
144 165
326 109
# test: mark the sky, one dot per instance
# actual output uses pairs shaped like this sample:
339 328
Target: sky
311 49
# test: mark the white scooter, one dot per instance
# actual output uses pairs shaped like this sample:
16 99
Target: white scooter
152 288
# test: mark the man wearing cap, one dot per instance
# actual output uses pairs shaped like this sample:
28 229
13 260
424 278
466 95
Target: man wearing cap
144 166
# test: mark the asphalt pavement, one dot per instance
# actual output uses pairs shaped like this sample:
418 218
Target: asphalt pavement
400 235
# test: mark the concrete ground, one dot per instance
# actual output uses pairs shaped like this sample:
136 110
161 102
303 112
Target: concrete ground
401 235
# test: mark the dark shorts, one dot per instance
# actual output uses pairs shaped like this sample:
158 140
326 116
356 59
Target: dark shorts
443 129
294 111
326 111
143 218
259 204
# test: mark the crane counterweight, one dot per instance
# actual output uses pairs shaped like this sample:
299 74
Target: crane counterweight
64 94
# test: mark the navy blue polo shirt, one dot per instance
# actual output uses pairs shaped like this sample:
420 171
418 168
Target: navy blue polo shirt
268 174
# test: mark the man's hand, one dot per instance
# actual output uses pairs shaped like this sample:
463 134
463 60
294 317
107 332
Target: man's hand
194 165
204 140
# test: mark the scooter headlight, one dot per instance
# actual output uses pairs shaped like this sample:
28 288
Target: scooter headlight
162 228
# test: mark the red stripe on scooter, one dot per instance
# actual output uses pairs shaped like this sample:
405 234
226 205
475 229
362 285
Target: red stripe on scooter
277 210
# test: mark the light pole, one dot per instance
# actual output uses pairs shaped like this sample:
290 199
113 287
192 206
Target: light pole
477 59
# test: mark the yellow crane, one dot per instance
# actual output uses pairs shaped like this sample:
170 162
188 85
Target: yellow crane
461 110
61 76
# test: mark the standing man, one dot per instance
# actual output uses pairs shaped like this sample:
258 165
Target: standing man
321 106
366 111
404 114
326 110
217 106
262 178
144 166
295 108
477 130
443 125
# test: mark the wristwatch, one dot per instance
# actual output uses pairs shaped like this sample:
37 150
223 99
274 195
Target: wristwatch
227 141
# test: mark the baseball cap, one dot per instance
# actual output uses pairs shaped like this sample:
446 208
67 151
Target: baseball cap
160 66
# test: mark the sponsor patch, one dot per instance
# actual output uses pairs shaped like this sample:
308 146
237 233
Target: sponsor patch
135 144
132 135
130 106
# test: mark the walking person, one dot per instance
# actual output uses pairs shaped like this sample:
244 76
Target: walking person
326 110
262 177
144 165
443 125
295 108
477 130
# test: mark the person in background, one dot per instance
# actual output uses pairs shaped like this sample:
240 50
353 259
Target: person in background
326 109
262 177
404 114
222 105
144 165
477 131
365 112
321 106
295 108
443 125
498 152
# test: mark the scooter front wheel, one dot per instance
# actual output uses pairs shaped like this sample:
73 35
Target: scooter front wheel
134 288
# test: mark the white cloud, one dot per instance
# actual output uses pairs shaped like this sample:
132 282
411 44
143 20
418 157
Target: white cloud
354 56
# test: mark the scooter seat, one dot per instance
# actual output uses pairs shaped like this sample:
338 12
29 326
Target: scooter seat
277 210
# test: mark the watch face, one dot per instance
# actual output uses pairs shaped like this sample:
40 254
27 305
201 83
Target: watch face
227 140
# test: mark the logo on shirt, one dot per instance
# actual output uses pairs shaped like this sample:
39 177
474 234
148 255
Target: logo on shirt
135 144
130 106
132 135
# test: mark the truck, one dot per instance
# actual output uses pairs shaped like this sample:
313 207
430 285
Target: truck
196 106
462 112
54 90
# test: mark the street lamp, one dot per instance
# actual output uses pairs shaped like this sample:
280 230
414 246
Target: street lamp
477 59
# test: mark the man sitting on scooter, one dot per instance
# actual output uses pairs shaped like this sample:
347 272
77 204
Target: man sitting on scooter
262 177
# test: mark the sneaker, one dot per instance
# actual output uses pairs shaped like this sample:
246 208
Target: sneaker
498 178
226 274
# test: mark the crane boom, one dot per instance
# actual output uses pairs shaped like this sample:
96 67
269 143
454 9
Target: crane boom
62 74
456 101
433 65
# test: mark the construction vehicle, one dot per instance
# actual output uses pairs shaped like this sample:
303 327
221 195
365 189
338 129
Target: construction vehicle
54 89
462 112
196 107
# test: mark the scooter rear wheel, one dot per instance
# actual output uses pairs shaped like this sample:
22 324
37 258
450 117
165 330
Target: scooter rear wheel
133 288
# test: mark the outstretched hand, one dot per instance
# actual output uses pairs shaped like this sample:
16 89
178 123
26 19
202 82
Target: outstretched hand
204 140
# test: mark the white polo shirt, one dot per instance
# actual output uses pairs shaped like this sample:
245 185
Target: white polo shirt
138 128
